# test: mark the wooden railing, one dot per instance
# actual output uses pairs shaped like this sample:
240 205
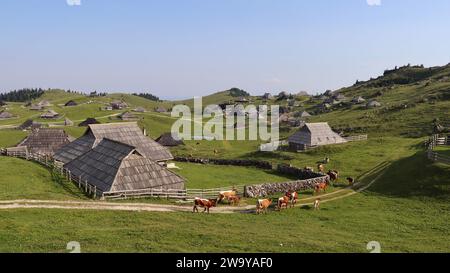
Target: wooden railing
434 141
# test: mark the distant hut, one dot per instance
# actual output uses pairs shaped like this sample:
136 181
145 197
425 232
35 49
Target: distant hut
125 132
50 114
305 114
113 166
267 96
71 103
373 104
88 121
140 110
118 105
295 122
29 124
45 141
339 97
5 115
128 116
313 135
68 122
169 141
241 100
36 107
358 99
44 103
160 109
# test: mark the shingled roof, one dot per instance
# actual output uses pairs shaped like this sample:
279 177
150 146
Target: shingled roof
126 132
45 141
166 139
29 124
114 166
4 114
316 134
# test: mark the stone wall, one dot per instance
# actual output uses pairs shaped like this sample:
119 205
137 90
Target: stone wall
263 190
300 174
230 162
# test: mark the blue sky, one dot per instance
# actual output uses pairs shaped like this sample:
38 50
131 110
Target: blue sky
182 48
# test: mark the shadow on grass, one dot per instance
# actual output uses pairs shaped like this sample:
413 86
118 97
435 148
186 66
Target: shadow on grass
414 176
64 184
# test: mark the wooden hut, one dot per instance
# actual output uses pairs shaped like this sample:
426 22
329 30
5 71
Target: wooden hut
50 114
313 135
125 132
160 109
373 104
140 110
88 121
118 105
128 116
114 166
5 115
71 103
358 99
29 124
44 103
169 141
68 122
35 107
45 141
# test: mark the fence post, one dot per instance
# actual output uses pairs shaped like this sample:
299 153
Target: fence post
85 185
95 192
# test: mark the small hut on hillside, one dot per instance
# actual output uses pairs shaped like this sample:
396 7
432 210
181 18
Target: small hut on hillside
140 110
313 135
88 121
68 122
373 104
118 105
113 166
128 116
125 132
160 109
71 103
29 124
44 103
5 115
50 114
358 99
169 141
304 114
35 107
45 141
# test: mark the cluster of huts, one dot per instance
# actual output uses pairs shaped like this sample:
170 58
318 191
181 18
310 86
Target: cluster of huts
114 157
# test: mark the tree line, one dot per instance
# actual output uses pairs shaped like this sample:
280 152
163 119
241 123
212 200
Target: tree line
22 95
147 96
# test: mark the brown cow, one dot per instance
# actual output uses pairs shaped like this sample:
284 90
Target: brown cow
321 187
334 175
283 201
225 195
321 168
262 205
351 181
234 200
293 198
204 203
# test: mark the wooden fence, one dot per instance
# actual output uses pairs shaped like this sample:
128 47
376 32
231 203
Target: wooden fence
437 140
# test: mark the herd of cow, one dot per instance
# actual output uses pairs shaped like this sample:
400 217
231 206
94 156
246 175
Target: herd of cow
288 200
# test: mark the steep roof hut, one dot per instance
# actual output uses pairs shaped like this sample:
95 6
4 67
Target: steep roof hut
50 114
168 140
68 122
5 115
305 114
160 109
45 141
113 166
140 110
71 103
29 124
117 105
358 99
35 107
373 104
88 121
314 134
128 116
125 132
44 103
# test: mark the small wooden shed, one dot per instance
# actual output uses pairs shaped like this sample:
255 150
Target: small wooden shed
45 141
169 141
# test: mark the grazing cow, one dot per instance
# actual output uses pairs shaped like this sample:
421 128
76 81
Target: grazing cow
317 203
334 175
283 201
234 200
204 203
293 198
225 195
321 168
351 181
262 205
321 187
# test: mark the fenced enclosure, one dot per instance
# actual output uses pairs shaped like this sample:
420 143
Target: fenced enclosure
432 143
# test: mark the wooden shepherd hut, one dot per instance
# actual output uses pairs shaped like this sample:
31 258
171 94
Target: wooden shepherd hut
5 115
313 135
128 116
168 140
50 114
71 103
125 132
29 124
88 121
113 166
45 141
